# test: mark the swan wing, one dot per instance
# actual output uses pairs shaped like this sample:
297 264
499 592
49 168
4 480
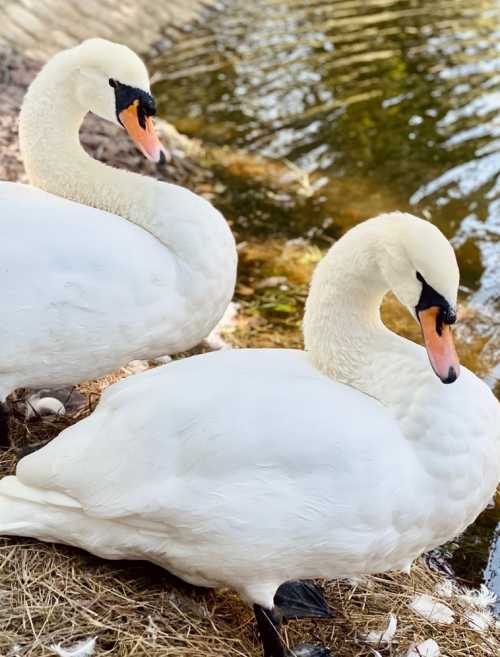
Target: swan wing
83 290
247 423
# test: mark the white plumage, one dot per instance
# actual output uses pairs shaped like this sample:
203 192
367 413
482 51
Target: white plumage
84 648
147 270
432 610
428 648
248 468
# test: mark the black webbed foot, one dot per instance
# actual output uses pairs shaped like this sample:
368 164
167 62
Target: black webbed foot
268 623
302 599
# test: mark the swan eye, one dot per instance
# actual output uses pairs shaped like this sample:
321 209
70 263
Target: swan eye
148 104
126 96
429 297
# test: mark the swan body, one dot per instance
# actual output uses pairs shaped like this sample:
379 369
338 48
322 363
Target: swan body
249 468
100 266
255 469
85 291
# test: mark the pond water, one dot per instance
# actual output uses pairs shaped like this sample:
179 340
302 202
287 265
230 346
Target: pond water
382 105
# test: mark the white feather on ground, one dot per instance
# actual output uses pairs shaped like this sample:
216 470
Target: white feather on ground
162 360
135 366
84 648
427 648
477 603
479 620
152 630
43 406
432 610
481 598
378 637
445 589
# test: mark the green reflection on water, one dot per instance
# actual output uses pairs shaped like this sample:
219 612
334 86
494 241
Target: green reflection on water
377 97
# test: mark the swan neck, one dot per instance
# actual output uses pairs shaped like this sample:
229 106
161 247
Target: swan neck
200 255
54 159
343 330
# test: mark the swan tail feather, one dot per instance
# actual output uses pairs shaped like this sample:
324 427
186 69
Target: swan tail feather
27 511
54 517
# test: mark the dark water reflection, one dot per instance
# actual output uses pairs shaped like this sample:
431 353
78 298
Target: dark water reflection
397 102
385 104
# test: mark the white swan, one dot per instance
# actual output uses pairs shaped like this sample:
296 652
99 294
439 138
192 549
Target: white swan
248 468
147 270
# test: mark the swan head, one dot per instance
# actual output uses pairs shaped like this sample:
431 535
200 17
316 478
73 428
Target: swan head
112 82
419 265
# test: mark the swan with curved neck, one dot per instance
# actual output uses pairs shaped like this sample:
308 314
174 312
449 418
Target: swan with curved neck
74 82
253 468
343 331
100 265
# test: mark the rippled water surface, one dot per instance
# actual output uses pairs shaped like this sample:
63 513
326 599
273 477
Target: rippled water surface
385 105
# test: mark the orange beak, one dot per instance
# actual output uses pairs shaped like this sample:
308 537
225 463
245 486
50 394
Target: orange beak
439 344
144 138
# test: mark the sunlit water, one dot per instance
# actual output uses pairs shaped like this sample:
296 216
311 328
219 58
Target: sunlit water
385 105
